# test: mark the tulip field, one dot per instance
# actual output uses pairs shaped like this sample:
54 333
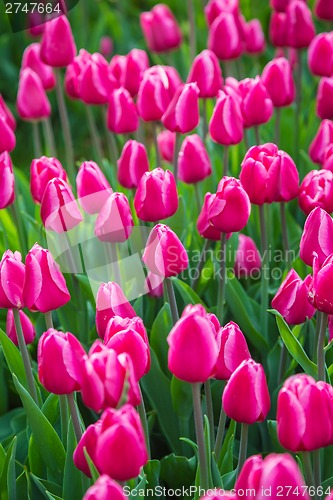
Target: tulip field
166 280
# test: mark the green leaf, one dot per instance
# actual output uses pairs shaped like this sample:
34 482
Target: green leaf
186 293
178 472
73 486
272 430
93 471
47 439
6 479
226 462
158 335
13 358
152 470
181 398
36 462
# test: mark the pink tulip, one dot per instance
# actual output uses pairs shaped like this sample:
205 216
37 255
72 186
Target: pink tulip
59 210
278 80
247 258
233 350
317 237
156 197
316 190
324 9
28 328
7 114
182 114
324 98
199 309
117 68
154 285
320 55
132 164
160 29
42 170
93 188
106 46
164 254
166 145
226 124
246 398
35 22
256 106
254 37
12 277
73 72
31 59
45 287
206 73
300 27
7 136
174 79
193 160
216 7
114 222
320 290
32 101
224 38
122 115
118 324
154 96
328 158
136 63
279 5
95 82
104 489
322 139
57 46
204 226
7 181
278 29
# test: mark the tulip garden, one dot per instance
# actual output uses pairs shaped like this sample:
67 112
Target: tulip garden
166 281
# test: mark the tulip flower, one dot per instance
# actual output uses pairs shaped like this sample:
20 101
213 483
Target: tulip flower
322 139
93 188
12 278
114 222
31 59
216 7
247 258
106 46
57 45
205 228
300 26
95 82
7 114
28 328
45 287
122 115
199 309
233 350
278 80
118 324
206 73
193 160
328 158
117 68
153 94
104 489
256 106
111 301
73 72
320 55
156 197
316 190
166 144
154 285
174 80
7 181
182 114
59 210
136 63
323 9
324 98
304 414
42 170
224 38
7 136
160 29
254 37
132 164
32 108
278 29
226 124
320 291
317 237
35 24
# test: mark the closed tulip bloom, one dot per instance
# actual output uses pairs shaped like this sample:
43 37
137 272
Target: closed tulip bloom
57 45
117 68
28 328
166 145
233 350
328 158
88 441
95 83
278 29
12 277
204 227
226 124
320 55
111 301
304 414
45 287
324 9
73 72
106 46
279 5
216 7
122 115
35 24
317 237
42 170
154 285
230 210
316 190
154 96
32 101
132 164
114 222
278 80
118 324
254 37
247 258
160 29
52 367
224 38
182 114
206 73
250 474
136 63
93 188
7 136
256 106
104 489
164 254
201 311
31 59
59 210
174 79
320 289
193 160
300 27
324 98
7 181
156 197
6 112
291 299
193 349
322 139
246 398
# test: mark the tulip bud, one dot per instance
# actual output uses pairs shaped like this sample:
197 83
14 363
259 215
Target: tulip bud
174 80
7 181
324 9
166 144
205 228
291 299
132 164
246 398
117 68
114 222
31 59
93 188
278 80
12 277
122 115
216 7
156 197
324 98
118 324
320 289
52 366
201 311
42 170
206 73
322 139
164 254
59 210
88 441
193 349
226 124
247 259
256 106
300 27
106 46
57 46
136 63
230 210
35 24
279 5
36 108
182 114
7 136
111 301
317 237
154 96
278 29
95 83
316 190
73 72
328 158
7 114
320 55
28 328
224 38
254 37
193 161
233 350
154 285
160 29
104 489
304 414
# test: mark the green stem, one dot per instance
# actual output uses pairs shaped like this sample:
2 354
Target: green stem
172 300
282 363
321 347
246 140
157 151
204 119
15 211
222 279
175 155
225 161
94 135
114 259
144 422
318 325
49 137
210 411
203 465
243 447
197 196
63 418
36 140
201 263
257 134
110 140
48 320
264 278
220 434
317 472
65 126
285 237
277 126
75 416
308 468
298 79
25 356
193 38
